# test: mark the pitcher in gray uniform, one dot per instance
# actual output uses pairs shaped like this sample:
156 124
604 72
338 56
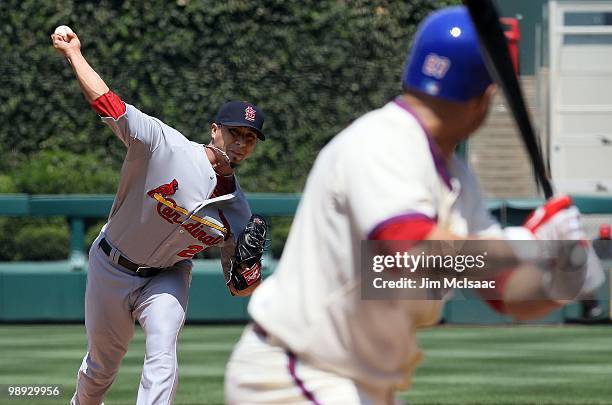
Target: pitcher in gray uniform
175 199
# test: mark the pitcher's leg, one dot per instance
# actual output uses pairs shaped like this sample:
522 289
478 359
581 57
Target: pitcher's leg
161 313
110 327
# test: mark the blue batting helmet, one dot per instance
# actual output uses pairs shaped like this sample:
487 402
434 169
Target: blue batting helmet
446 60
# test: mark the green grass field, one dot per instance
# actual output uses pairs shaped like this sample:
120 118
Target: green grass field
463 365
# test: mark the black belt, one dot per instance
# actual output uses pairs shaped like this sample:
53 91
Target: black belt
141 271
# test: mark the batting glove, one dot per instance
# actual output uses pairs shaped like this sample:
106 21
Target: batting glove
573 269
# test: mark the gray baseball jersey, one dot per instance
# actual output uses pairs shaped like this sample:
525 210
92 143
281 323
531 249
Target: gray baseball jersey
162 213
161 217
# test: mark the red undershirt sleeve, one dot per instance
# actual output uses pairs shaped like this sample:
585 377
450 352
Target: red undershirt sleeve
413 226
109 105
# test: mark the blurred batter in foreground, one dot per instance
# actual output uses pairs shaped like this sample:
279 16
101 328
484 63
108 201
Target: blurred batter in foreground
391 175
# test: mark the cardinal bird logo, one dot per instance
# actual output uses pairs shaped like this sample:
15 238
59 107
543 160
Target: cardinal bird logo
165 189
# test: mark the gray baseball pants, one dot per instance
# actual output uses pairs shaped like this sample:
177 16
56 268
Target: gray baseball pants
114 299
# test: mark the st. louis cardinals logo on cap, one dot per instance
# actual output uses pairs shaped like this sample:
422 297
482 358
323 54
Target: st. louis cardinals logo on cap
249 113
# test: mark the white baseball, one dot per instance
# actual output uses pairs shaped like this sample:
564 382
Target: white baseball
63 30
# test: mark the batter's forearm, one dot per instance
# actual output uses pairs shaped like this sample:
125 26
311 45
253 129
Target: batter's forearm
89 80
524 297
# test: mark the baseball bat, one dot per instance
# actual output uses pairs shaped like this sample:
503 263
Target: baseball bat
491 35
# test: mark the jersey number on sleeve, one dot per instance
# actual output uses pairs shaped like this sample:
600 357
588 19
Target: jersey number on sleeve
191 251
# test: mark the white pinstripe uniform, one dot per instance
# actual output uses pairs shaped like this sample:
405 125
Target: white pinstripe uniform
323 344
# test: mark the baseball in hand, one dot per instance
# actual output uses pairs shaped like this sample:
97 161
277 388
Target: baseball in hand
63 30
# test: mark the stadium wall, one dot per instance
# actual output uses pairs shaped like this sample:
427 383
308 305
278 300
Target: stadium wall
45 292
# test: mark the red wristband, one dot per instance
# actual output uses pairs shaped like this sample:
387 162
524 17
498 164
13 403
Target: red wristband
109 105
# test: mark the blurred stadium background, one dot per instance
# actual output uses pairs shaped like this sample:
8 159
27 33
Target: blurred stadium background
313 66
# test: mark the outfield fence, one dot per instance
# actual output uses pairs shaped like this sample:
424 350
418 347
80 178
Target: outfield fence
54 291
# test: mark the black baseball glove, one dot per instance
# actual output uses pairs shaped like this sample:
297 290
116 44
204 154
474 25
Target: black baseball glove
245 267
